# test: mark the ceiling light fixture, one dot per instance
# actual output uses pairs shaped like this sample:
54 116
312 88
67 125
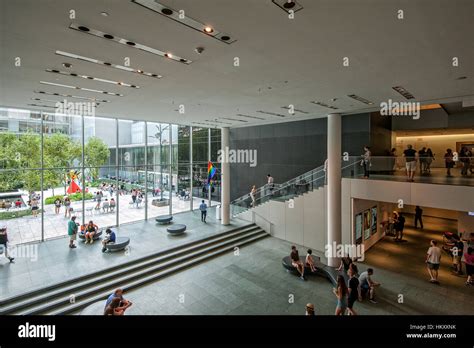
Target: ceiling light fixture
42 106
56 101
270 113
91 78
126 42
168 12
233 119
249 116
72 96
295 110
104 14
96 61
80 88
403 92
360 99
324 105
289 6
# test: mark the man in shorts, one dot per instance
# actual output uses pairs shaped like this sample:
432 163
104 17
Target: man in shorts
433 258
410 158
72 232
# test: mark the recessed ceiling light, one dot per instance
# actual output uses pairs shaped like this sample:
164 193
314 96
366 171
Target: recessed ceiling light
360 99
91 78
323 105
82 28
170 13
67 65
108 36
249 116
288 5
169 55
120 67
270 113
80 88
127 42
105 14
461 78
403 92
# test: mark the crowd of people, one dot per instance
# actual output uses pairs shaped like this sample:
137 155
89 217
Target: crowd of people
356 288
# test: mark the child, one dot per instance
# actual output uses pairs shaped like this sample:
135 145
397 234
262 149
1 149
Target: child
309 262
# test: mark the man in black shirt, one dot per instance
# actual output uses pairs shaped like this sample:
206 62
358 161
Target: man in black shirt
399 227
4 242
354 291
410 158
418 216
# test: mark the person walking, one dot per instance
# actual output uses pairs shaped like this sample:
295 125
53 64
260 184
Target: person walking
410 159
418 217
253 192
429 159
203 209
270 183
354 291
469 262
72 231
433 259
399 227
57 205
465 158
67 207
4 243
341 293
366 158
449 160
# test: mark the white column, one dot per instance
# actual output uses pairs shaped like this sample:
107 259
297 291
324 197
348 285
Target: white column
225 179
334 186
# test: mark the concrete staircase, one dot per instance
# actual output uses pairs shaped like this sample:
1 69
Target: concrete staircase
73 295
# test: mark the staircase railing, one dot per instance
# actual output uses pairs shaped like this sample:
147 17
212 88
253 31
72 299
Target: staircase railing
292 188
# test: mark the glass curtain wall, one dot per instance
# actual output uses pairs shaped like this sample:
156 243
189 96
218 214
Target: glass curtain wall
110 171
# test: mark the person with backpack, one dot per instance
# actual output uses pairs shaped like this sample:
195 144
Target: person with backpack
203 209
4 243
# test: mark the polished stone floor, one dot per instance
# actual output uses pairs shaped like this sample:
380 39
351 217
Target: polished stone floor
40 264
254 282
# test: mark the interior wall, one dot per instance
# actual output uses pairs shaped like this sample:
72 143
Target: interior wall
465 222
286 150
437 143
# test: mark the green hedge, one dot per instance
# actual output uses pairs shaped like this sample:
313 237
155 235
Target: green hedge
74 197
6 215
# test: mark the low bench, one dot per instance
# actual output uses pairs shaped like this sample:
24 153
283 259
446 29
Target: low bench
176 229
164 219
330 273
97 235
120 244
286 262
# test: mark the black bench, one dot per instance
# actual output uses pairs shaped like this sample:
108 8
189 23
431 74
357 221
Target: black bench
164 219
97 235
176 229
330 273
120 244
286 262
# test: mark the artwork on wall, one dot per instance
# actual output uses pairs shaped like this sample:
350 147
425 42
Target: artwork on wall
366 225
358 228
373 216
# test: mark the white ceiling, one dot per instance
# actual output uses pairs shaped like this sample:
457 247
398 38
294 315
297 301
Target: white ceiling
282 61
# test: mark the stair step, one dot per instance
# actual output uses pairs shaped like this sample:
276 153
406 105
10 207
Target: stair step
28 295
138 272
68 308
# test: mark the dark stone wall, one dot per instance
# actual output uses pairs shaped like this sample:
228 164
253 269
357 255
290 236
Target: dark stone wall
286 150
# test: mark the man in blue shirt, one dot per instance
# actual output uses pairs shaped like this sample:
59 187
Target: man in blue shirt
117 293
203 209
109 239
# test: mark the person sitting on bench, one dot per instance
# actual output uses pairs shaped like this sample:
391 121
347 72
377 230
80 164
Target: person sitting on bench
112 204
367 285
345 263
296 262
90 231
109 239
309 262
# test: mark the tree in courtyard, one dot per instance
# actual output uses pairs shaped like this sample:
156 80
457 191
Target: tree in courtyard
96 154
